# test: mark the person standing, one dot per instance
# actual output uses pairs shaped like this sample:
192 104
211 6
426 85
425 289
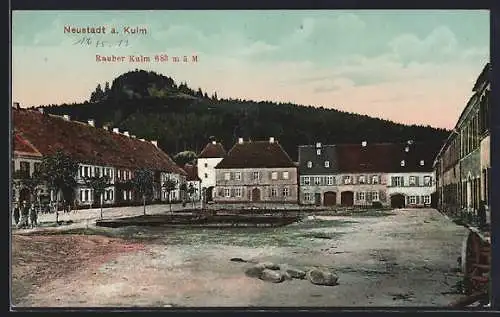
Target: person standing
24 215
33 216
16 214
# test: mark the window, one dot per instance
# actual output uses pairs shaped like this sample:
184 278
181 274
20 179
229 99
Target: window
124 195
361 195
317 180
227 176
206 164
274 175
327 164
362 179
86 171
375 196
227 192
329 180
422 163
407 149
255 176
81 194
307 196
238 192
412 200
347 180
285 175
309 164
427 199
413 180
307 180
318 144
86 197
396 181
403 163
286 192
274 192
318 152
37 167
81 171
25 167
97 172
206 175
427 181
375 179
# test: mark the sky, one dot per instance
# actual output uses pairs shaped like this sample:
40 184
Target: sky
412 67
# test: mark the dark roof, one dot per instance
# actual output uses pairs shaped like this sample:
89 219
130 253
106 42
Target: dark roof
256 154
386 157
24 147
87 144
212 150
483 77
192 172
309 153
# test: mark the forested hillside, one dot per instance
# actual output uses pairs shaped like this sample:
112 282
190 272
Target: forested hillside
154 107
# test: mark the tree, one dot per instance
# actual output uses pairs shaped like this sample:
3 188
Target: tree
98 185
184 157
58 171
191 190
143 183
169 185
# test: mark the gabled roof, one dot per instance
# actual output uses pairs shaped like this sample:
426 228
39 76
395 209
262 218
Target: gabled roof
24 147
87 144
256 154
213 150
192 172
386 157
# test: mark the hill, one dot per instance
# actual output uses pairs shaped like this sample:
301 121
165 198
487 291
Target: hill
154 106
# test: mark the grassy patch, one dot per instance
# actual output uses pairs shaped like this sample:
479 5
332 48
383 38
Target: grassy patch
319 223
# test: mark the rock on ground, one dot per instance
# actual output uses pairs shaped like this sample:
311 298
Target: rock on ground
272 276
295 273
321 277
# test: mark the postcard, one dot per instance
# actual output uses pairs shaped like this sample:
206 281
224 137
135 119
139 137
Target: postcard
260 158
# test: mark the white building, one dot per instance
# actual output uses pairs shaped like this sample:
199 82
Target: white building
413 189
209 157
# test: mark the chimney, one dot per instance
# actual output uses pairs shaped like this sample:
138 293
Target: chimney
318 144
155 143
126 133
66 117
133 136
407 149
214 142
240 140
91 122
116 130
363 144
143 140
40 110
271 139
17 105
106 128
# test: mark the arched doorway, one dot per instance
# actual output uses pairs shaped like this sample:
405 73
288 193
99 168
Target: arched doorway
209 194
24 195
255 194
347 198
330 198
398 201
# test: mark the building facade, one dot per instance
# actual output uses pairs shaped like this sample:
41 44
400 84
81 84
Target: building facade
98 152
463 165
193 181
256 171
211 155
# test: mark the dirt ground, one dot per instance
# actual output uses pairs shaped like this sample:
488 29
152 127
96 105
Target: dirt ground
408 258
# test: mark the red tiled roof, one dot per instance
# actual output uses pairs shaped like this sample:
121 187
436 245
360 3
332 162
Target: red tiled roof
256 154
192 172
213 150
88 144
386 157
24 147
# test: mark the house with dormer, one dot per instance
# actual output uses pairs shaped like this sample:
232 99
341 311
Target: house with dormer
209 157
98 151
256 172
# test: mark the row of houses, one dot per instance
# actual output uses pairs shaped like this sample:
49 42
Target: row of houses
98 151
388 174
463 165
